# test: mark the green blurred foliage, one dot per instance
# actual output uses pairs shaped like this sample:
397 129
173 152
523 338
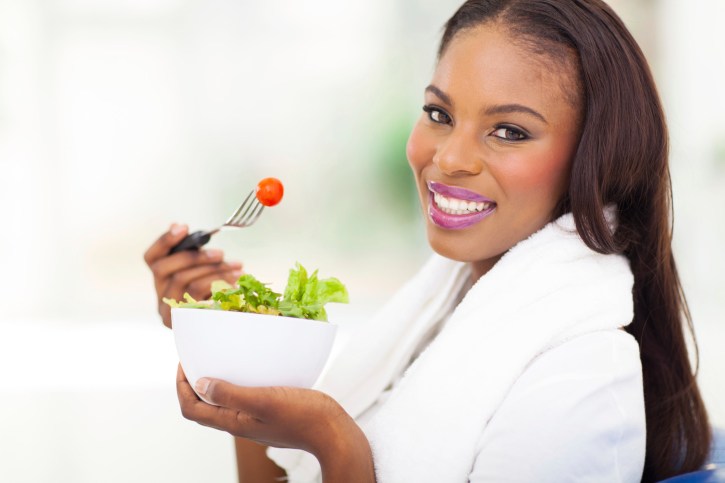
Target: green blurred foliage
719 155
397 185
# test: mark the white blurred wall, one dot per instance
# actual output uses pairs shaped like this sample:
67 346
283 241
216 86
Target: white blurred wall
118 117
691 74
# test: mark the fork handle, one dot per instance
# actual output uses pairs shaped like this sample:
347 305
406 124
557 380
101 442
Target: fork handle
194 241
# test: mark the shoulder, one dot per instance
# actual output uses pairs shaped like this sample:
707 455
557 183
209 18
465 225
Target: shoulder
576 413
608 356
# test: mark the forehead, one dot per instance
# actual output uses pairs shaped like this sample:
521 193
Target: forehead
487 65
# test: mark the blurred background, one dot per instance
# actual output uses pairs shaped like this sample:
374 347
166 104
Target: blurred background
118 117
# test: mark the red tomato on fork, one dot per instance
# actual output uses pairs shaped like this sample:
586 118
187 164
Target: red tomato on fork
269 191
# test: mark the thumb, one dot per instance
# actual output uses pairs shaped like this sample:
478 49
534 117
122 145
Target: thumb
251 400
203 386
218 392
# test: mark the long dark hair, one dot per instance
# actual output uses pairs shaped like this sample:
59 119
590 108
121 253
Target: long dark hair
622 159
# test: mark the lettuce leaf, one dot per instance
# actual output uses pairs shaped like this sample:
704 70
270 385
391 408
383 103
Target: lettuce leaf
304 296
189 303
296 283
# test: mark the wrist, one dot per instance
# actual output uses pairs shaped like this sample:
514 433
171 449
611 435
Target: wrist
348 457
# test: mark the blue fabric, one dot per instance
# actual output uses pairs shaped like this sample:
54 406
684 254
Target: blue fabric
717 454
715 472
705 476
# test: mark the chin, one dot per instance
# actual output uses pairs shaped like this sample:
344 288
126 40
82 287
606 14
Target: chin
450 248
460 247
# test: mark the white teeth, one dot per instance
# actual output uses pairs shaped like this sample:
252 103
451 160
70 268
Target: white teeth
454 206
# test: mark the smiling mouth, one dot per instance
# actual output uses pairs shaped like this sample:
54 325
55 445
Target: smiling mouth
454 208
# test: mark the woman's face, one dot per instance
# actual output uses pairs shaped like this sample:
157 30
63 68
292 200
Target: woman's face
492 152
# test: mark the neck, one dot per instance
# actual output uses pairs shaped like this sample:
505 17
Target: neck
480 268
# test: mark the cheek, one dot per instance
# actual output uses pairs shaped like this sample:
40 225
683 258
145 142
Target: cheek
420 148
541 178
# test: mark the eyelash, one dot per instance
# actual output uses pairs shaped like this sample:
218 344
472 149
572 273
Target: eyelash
521 135
431 110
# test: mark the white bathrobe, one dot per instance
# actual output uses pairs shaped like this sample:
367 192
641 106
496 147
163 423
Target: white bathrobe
547 290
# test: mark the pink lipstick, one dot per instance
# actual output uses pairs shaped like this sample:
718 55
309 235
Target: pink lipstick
455 221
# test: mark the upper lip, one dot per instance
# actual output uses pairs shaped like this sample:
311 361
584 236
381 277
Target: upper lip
457 192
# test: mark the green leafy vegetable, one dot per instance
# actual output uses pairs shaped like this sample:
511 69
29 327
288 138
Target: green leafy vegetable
304 297
189 303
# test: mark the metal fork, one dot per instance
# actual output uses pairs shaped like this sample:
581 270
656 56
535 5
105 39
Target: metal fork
244 216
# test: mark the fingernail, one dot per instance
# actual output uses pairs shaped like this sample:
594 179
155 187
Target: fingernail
235 265
214 253
237 273
177 230
202 385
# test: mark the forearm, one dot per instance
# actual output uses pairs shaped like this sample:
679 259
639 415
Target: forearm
253 465
348 459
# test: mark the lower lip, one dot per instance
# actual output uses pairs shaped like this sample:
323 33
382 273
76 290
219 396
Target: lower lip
454 222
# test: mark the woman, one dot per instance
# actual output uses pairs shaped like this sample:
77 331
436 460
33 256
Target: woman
545 341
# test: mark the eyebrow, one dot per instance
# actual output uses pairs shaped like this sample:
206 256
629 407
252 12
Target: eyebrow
509 108
497 109
439 93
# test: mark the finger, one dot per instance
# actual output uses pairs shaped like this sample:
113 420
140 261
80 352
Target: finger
165 313
228 271
254 401
218 417
197 281
160 248
167 266
187 397
191 406
180 374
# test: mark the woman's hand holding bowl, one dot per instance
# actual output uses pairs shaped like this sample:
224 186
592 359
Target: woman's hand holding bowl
284 417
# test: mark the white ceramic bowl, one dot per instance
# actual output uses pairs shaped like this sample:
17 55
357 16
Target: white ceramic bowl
251 349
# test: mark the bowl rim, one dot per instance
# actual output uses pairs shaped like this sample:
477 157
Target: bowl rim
245 314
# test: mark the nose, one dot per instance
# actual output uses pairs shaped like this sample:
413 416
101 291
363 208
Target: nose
457 154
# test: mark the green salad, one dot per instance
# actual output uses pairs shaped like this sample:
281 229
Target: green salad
304 297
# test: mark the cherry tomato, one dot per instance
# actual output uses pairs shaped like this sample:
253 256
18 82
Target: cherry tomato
269 191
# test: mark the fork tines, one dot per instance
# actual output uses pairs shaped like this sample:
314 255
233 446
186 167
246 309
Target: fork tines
247 213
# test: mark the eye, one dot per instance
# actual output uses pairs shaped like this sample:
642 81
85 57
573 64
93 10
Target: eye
437 115
510 133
